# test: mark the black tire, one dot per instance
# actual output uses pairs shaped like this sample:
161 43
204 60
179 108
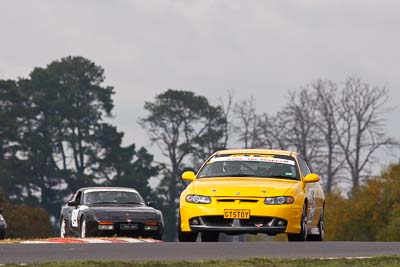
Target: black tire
209 236
158 236
2 234
185 236
302 236
321 227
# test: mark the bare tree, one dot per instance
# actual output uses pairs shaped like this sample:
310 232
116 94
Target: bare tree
272 130
326 105
299 117
247 125
360 129
226 110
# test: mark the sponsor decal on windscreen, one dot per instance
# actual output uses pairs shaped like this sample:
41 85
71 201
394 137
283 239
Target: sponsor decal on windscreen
250 158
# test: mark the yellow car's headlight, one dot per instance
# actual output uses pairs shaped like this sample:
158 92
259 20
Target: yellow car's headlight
278 200
197 199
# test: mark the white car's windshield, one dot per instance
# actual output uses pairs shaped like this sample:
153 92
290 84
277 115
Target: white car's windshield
112 197
263 166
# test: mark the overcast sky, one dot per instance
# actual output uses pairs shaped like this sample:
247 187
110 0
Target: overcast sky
258 48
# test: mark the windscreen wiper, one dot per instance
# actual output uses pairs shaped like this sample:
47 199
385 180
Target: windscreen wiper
229 175
239 175
281 177
103 202
131 202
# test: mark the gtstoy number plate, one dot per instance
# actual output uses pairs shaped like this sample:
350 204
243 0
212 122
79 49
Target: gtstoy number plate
236 214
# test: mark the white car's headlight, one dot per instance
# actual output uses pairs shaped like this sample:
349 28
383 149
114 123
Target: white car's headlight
197 199
1 218
278 200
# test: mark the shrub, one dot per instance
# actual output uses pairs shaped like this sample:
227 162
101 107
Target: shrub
372 213
26 222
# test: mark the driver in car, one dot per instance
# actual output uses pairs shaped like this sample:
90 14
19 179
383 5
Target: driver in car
231 167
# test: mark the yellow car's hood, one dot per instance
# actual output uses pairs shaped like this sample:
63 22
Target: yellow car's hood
245 187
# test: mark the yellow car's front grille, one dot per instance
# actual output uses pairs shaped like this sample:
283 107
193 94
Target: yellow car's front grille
239 200
220 221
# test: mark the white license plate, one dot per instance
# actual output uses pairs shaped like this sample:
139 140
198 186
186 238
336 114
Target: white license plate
129 227
236 214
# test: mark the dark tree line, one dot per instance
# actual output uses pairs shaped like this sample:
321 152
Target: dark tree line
54 138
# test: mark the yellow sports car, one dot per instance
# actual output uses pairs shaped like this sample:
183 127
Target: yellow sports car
252 191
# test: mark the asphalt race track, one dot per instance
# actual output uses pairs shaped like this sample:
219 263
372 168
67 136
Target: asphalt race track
28 253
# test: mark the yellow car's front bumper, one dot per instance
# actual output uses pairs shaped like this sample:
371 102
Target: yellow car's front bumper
269 219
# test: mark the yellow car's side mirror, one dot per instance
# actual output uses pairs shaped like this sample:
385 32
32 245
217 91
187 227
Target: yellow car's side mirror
311 178
189 176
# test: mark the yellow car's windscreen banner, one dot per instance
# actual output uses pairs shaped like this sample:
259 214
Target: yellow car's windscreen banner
250 158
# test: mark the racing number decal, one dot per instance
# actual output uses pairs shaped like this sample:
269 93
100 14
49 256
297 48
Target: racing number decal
74 217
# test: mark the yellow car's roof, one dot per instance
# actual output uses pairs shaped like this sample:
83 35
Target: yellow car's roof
257 151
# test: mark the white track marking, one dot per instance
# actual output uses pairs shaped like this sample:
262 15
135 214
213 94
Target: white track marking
131 240
94 240
90 240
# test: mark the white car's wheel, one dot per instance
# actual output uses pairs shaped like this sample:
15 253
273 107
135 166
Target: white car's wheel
83 231
63 232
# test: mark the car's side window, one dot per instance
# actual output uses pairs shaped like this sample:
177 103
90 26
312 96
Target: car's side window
78 198
72 197
303 166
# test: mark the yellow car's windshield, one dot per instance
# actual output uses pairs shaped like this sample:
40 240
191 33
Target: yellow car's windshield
242 165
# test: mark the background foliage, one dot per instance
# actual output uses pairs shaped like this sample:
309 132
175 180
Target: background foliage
27 222
372 213
56 137
24 221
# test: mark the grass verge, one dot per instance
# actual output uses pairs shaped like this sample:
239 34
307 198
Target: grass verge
386 261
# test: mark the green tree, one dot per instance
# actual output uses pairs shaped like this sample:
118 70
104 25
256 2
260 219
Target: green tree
61 141
64 110
14 170
213 138
180 122
124 166
370 214
388 213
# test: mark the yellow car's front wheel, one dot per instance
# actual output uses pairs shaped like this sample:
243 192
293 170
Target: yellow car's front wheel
302 236
185 236
321 230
